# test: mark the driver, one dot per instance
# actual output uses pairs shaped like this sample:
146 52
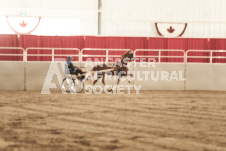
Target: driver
73 70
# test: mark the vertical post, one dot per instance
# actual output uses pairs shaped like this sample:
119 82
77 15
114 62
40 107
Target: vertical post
211 56
99 17
25 55
79 58
53 55
25 68
106 55
159 56
185 69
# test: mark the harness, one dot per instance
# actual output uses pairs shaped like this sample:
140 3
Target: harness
120 68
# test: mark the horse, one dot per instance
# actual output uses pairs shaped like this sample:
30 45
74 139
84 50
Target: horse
119 68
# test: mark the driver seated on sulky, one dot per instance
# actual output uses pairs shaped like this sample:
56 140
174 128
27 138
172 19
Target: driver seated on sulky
71 69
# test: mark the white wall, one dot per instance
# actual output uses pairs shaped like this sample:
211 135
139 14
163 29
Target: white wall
205 77
206 18
18 75
85 10
12 75
175 74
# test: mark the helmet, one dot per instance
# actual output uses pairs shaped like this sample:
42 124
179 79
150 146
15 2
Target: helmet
70 57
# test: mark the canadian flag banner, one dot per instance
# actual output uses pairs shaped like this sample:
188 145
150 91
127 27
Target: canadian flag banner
23 25
171 29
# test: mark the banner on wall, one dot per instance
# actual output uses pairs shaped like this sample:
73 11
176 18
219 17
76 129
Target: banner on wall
170 29
40 26
23 25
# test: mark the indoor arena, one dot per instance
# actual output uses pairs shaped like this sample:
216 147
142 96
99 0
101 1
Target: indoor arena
112 75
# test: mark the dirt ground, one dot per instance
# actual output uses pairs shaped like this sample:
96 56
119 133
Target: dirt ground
150 121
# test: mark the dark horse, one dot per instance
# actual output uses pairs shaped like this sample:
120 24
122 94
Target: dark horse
119 68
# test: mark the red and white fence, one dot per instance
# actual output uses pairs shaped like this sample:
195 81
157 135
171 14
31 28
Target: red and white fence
206 56
160 55
203 69
51 54
101 55
110 55
12 54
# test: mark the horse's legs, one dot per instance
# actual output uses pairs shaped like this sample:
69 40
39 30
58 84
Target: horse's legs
99 76
95 81
125 75
103 79
131 75
118 80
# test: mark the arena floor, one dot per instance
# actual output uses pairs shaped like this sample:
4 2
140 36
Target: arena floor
152 120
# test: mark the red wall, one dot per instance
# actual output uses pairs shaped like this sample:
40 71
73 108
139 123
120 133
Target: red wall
112 42
80 42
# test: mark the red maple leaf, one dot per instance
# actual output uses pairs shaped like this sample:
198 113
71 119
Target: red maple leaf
170 30
23 24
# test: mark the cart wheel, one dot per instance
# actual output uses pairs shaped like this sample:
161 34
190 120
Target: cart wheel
66 84
77 86
72 85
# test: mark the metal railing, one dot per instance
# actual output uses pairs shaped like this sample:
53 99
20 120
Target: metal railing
160 56
13 54
106 56
53 55
210 54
